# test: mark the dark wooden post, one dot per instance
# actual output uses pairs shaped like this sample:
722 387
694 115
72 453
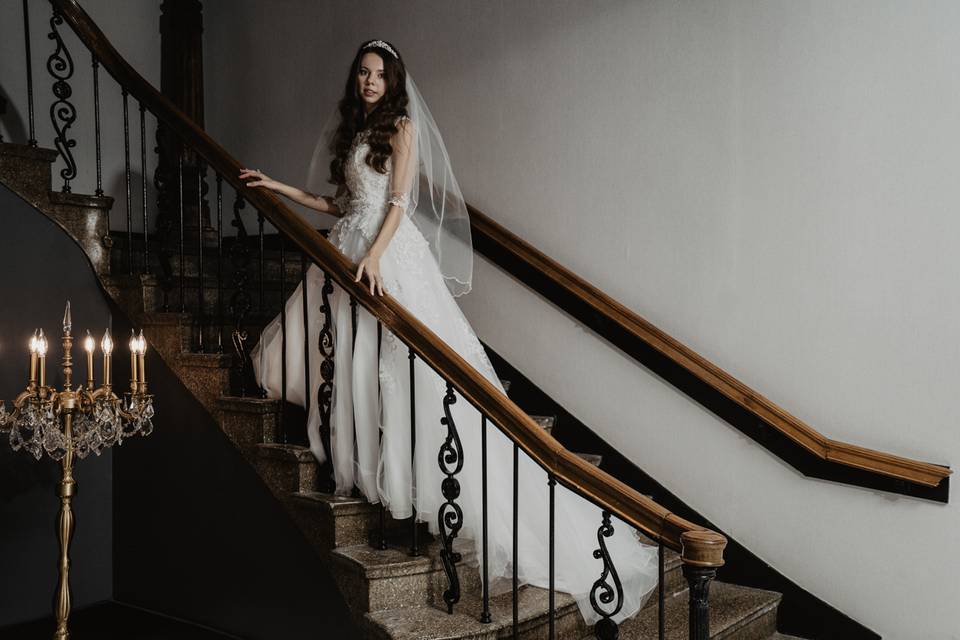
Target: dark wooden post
702 555
181 80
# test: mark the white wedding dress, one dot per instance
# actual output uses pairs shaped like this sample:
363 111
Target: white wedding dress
370 416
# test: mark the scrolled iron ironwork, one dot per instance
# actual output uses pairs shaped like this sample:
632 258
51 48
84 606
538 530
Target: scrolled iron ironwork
62 112
603 593
325 340
240 300
450 515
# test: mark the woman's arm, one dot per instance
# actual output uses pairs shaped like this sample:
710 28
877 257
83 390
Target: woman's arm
404 164
323 204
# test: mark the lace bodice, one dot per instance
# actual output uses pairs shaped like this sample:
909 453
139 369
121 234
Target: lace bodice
364 208
367 188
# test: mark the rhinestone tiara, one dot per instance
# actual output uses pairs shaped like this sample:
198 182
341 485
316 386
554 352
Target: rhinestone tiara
380 44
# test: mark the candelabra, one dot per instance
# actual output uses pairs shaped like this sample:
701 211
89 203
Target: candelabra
76 422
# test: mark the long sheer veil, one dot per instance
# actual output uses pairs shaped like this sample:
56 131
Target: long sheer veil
436 203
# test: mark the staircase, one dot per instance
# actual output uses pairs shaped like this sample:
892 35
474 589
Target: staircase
393 595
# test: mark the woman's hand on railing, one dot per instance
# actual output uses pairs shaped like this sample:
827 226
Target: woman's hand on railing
323 204
259 179
371 265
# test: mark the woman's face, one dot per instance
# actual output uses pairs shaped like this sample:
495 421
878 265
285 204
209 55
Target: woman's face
370 81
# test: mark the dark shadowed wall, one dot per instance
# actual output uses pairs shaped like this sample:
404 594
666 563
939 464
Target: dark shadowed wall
40 269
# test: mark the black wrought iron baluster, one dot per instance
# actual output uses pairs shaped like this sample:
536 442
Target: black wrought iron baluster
485 616
219 263
96 123
607 590
166 215
62 112
240 299
450 515
180 238
26 43
661 595
143 183
201 282
516 545
281 427
414 534
127 178
325 339
551 595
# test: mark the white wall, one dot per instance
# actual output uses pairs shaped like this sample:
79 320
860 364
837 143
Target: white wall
133 26
773 183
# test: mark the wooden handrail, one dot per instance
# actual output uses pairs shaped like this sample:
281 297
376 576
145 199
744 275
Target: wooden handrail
611 311
698 546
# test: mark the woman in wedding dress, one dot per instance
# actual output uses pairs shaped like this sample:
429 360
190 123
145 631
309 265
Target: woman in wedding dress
403 221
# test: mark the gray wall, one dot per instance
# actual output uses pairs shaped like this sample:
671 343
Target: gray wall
133 28
770 182
34 288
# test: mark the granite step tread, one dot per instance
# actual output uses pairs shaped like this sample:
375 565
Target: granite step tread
248 404
334 504
736 612
432 623
546 422
374 563
593 458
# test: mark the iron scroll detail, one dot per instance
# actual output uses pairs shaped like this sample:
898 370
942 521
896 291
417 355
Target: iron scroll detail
603 593
450 515
62 112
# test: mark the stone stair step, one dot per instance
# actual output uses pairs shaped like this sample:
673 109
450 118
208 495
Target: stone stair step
546 422
206 375
736 613
329 521
286 468
375 580
248 421
434 623
593 458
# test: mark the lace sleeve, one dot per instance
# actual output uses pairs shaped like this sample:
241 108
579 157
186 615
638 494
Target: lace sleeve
404 161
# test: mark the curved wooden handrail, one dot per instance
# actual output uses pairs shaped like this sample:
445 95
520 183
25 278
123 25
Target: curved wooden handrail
698 546
923 473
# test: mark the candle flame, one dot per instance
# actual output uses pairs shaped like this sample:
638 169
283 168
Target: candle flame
107 343
89 344
134 342
33 342
41 345
143 343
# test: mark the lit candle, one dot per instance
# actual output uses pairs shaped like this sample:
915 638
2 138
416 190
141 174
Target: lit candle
89 345
106 344
142 352
134 347
42 354
33 357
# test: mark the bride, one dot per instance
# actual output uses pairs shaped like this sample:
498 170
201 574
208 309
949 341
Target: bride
403 221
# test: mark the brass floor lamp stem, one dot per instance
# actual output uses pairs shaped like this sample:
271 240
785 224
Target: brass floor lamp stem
66 492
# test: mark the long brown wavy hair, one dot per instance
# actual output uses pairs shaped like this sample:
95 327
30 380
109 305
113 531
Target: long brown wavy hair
379 123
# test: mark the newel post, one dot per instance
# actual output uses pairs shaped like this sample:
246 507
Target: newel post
702 555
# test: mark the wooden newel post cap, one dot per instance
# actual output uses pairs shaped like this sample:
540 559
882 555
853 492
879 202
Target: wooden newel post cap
702 548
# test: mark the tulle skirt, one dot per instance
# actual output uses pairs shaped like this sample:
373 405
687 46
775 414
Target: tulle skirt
373 425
